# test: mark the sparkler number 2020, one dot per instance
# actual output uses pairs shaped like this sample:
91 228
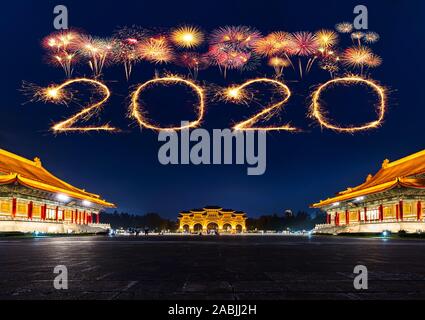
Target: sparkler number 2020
239 93
229 48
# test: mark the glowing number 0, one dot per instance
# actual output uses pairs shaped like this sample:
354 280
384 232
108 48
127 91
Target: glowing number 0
55 93
143 121
317 112
236 93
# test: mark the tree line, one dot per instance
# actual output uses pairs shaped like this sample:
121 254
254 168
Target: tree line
273 222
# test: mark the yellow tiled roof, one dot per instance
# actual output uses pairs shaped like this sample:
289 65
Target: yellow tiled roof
32 174
390 175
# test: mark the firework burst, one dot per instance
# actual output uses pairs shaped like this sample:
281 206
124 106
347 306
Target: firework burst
127 39
305 44
226 57
344 27
239 37
357 57
278 65
156 50
326 38
194 62
371 37
62 50
187 37
275 43
98 51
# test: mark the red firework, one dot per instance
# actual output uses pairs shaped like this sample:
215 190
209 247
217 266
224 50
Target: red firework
304 43
240 37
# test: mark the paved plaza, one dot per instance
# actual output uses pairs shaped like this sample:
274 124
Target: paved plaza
211 267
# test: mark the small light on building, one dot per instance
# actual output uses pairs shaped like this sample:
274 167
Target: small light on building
62 197
359 199
86 203
335 204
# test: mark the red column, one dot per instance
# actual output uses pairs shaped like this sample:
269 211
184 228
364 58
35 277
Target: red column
401 209
30 206
347 217
359 216
43 212
365 214
76 216
397 212
381 212
328 220
419 210
337 219
98 218
85 217
13 207
57 213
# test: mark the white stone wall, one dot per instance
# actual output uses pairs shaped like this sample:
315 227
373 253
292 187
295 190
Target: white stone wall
373 227
49 227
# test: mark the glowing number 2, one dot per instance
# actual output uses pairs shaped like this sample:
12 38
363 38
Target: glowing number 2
54 93
236 93
143 121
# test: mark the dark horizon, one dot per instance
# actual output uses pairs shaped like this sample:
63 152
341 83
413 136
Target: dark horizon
302 168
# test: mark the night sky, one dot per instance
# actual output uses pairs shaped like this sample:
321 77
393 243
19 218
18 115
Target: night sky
301 168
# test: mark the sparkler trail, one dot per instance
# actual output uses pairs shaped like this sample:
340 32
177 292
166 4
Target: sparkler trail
135 108
238 93
57 94
318 113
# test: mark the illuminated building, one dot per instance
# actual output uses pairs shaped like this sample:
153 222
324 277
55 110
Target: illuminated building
34 200
391 200
212 218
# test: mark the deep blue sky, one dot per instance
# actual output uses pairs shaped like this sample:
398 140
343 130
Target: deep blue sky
301 168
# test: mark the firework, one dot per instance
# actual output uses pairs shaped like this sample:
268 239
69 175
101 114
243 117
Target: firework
187 37
239 37
371 37
98 51
344 27
127 39
135 108
374 61
226 57
326 38
274 44
194 62
358 35
239 93
357 57
278 64
305 43
62 49
156 50
318 113
330 66
58 94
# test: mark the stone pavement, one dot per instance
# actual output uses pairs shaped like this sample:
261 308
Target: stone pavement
204 267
